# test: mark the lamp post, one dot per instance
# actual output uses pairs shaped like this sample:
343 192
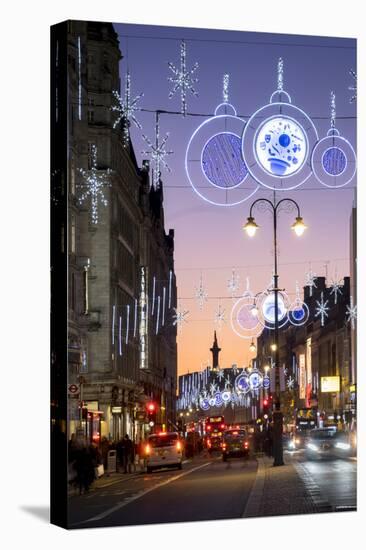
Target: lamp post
299 227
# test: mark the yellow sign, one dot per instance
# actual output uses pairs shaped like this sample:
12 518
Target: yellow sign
352 388
330 384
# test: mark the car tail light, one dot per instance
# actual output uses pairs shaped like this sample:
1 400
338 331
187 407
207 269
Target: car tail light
208 443
208 428
246 444
147 449
222 425
179 446
224 446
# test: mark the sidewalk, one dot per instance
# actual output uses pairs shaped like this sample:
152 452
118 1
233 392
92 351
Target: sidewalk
280 491
105 481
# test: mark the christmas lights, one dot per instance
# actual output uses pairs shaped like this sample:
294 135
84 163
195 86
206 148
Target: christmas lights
322 309
94 182
182 78
125 109
157 152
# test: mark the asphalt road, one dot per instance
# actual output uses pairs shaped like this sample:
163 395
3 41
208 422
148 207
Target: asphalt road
335 478
206 489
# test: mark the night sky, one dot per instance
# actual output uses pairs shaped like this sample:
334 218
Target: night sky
209 239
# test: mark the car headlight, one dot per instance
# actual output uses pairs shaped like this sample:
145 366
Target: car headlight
291 444
312 447
343 446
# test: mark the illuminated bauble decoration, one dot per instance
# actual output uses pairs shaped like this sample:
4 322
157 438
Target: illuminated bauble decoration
214 163
255 380
281 146
218 399
204 404
267 310
334 160
212 402
243 322
277 141
222 162
242 383
226 396
298 313
266 382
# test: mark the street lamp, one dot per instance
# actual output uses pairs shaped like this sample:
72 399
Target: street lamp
299 227
252 347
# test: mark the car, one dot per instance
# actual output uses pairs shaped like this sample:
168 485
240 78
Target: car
214 442
164 449
235 444
327 442
292 442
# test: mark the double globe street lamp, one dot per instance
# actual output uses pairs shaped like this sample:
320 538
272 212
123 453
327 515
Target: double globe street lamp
287 205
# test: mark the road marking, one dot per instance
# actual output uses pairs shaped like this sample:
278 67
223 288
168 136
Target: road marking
139 495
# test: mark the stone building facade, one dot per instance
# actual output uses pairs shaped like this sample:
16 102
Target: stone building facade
315 351
119 354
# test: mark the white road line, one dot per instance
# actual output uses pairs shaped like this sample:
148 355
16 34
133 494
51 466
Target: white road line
139 495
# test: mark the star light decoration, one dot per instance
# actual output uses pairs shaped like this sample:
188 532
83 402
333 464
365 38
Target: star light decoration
351 313
220 375
310 278
157 152
233 283
219 317
183 79
201 294
94 182
125 109
290 383
179 317
336 288
322 309
354 87
213 388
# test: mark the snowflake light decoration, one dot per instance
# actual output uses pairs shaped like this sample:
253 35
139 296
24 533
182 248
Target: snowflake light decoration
94 183
351 313
179 316
219 317
220 375
310 278
213 388
353 88
322 309
182 79
227 382
233 283
290 383
336 288
157 152
125 109
201 294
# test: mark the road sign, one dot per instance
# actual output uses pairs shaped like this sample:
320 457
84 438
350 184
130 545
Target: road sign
74 389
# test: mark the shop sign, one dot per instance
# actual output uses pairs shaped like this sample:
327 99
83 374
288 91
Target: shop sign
330 384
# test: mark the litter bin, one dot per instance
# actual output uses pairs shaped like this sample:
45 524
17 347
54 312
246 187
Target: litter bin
112 461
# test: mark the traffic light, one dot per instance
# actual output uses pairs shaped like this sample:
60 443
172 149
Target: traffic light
151 413
265 407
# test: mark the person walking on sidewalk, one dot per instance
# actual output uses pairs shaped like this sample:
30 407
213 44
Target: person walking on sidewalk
128 455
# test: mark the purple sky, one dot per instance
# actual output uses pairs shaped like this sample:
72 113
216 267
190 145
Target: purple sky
209 239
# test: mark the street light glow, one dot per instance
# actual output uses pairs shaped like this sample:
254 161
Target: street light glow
299 226
273 346
254 311
250 227
252 347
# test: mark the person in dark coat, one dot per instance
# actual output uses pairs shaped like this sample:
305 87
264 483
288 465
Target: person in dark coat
84 466
128 454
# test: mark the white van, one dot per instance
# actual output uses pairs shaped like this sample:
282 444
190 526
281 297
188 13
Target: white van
162 450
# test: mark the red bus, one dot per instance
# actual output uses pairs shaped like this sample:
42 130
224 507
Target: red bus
214 430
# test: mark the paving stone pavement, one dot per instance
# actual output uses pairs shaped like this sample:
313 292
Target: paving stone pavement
280 491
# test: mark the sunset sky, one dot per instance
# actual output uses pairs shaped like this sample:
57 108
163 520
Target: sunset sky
209 240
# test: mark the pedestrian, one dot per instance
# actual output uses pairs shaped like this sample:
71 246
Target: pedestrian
84 466
128 454
120 448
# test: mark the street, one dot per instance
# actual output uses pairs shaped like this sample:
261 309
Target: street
207 489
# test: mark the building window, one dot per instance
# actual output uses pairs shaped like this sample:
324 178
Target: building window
90 110
72 234
72 180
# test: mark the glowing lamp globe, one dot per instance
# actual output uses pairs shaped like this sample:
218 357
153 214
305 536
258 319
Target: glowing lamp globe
299 226
252 347
250 227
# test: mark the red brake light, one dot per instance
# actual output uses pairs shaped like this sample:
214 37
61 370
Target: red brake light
147 449
208 428
162 433
222 425
246 444
235 433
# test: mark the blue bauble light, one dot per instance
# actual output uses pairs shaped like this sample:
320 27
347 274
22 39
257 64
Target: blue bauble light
222 161
298 314
334 161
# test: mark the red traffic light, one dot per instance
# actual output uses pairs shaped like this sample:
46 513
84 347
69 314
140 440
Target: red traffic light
151 407
265 402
